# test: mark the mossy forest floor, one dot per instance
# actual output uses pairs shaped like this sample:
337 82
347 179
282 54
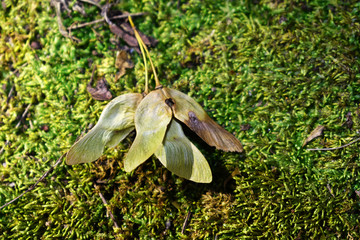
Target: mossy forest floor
268 71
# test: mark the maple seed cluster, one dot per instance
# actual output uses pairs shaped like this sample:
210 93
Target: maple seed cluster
156 118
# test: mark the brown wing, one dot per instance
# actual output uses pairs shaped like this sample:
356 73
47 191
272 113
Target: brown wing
188 111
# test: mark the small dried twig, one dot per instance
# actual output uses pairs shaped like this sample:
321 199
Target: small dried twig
124 31
186 222
3 148
62 28
10 94
335 148
330 190
16 71
317 132
64 3
76 26
23 115
37 182
106 205
79 7
92 2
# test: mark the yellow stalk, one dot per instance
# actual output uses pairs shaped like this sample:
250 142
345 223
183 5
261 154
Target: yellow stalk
143 46
144 59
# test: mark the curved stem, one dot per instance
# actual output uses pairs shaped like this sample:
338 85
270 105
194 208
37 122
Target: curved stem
143 55
157 82
335 148
142 47
146 70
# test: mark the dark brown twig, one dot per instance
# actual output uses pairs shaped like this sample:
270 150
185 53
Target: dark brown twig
23 115
186 222
107 208
103 20
335 148
10 94
37 182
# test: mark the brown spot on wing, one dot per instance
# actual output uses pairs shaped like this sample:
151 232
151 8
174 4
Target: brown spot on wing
169 102
213 134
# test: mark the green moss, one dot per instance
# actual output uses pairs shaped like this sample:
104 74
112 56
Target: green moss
282 67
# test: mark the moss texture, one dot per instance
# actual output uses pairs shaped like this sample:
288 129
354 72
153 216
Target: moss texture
268 71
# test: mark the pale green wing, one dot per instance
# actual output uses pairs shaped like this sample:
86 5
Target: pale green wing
188 111
181 157
91 146
151 120
115 123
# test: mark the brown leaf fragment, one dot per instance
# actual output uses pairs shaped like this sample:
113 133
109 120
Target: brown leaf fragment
317 132
101 91
124 31
122 62
245 127
349 122
148 40
357 193
130 40
35 45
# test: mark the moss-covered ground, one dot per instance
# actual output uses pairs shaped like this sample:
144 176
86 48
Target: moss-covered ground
268 71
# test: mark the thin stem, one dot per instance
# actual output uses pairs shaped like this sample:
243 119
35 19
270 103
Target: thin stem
23 115
143 55
146 70
62 28
186 222
92 2
335 148
157 82
37 182
80 25
142 44
106 205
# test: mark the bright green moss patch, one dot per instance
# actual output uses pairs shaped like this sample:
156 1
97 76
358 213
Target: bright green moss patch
268 71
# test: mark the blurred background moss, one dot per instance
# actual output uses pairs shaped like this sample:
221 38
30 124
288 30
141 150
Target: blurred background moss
268 71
